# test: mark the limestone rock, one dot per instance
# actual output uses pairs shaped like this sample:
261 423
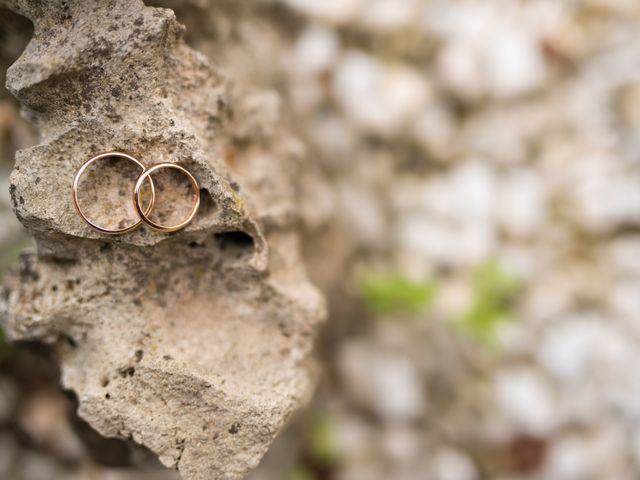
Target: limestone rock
195 344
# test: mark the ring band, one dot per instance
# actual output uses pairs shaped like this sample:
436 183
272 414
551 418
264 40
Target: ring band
76 183
143 215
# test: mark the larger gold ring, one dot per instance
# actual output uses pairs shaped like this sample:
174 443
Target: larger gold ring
144 214
76 183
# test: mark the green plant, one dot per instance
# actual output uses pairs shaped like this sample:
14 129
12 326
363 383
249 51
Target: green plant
495 291
299 473
323 442
388 294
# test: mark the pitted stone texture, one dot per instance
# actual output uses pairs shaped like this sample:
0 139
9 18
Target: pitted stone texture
197 344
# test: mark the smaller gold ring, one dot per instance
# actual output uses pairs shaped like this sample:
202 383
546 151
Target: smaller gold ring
76 183
194 206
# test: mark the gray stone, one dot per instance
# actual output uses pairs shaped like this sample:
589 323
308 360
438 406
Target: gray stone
195 344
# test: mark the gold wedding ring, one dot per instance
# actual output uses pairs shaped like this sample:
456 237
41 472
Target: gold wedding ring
76 201
142 212
144 215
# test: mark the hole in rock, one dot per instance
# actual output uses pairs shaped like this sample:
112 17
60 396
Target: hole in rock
235 240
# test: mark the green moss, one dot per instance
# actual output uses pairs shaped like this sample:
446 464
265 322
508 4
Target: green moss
299 473
323 442
387 294
495 292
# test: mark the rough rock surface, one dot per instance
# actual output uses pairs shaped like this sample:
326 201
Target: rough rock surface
195 344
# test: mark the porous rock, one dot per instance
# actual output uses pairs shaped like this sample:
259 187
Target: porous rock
195 344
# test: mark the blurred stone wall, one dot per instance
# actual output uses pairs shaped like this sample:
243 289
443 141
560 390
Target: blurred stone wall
486 159
485 163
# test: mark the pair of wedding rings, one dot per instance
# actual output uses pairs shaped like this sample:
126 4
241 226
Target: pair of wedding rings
143 212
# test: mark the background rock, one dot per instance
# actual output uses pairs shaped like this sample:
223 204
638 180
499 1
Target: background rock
486 244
